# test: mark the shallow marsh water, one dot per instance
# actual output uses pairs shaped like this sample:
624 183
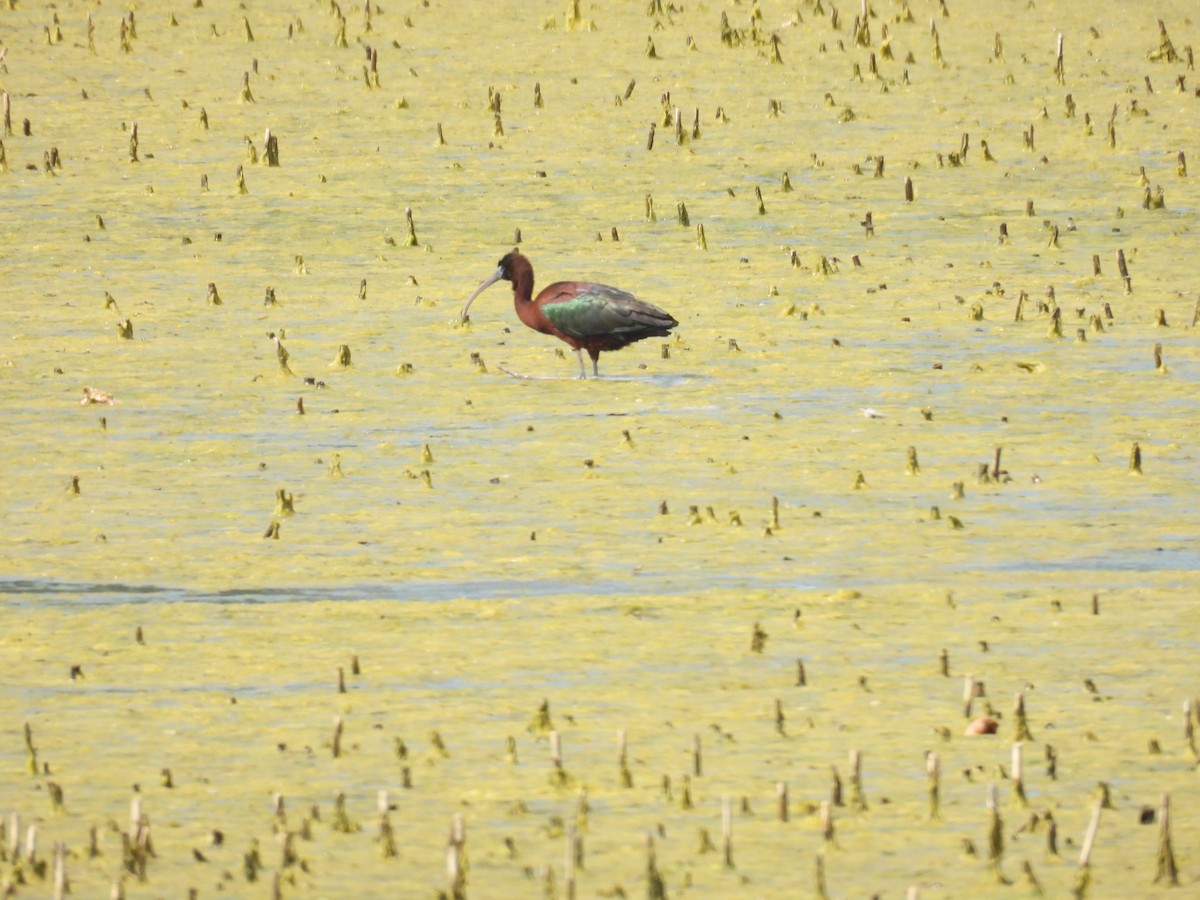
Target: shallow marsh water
516 572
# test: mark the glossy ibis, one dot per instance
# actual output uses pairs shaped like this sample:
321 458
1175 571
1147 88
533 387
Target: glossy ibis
587 316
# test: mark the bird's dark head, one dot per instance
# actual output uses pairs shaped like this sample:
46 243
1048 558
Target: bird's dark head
508 262
512 266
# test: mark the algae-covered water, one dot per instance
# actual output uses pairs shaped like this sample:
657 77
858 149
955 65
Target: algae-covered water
895 446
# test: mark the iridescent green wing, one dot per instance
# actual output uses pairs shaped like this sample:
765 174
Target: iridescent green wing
582 310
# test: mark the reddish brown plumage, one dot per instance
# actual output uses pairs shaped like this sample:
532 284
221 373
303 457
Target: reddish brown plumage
582 314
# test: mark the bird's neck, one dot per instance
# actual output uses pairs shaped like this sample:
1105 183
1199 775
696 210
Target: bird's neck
522 281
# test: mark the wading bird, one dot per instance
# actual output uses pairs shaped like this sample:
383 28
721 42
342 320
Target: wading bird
587 316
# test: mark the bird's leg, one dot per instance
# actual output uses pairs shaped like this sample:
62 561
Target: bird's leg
595 355
579 354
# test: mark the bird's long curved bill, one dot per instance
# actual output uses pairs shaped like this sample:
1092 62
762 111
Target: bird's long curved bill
496 276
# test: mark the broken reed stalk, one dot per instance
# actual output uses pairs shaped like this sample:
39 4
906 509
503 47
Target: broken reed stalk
456 858
835 789
271 149
995 835
1051 762
576 843
558 776
1189 730
1017 782
727 830
935 791
32 750
411 240
61 887
1166 870
287 852
1031 880
569 860
14 835
623 760
1022 725
55 790
455 879
656 888
31 836
822 893
827 829
1083 875
858 799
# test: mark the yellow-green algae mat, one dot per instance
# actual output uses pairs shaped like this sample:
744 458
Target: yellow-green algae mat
922 452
